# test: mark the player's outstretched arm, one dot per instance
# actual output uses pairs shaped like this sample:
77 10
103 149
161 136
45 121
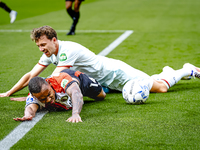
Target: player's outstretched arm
77 101
23 82
29 113
6 94
18 99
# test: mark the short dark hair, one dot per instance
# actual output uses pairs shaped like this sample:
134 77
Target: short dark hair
44 30
35 84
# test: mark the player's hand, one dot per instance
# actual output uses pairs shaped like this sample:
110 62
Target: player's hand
5 94
25 118
74 118
18 99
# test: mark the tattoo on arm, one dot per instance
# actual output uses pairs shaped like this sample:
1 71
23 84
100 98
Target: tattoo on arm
77 98
77 104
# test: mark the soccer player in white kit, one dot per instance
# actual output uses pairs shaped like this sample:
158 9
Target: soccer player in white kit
108 72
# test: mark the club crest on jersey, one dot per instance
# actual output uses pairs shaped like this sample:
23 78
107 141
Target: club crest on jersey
64 83
64 98
63 57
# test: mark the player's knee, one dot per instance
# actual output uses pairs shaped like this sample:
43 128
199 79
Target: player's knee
159 87
77 6
101 96
163 89
68 8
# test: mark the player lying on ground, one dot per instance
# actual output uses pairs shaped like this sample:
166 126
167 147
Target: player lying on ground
136 91
64 90
110 73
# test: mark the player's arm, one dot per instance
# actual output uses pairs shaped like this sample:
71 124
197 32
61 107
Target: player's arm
77 101
59 69
29 113
23 82
18 99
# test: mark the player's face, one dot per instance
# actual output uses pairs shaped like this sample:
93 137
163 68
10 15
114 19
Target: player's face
48 47
47 95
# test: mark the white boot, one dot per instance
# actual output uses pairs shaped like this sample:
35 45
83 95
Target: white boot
13 15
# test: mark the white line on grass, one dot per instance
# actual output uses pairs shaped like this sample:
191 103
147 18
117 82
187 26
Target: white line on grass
25 126
114 44
64 31
20 131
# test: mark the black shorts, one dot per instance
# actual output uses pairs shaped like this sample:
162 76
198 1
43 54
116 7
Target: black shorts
88 85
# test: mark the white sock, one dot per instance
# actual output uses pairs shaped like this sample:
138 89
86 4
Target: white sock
170 77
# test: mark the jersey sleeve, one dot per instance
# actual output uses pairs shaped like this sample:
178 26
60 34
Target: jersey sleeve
44 60
31 100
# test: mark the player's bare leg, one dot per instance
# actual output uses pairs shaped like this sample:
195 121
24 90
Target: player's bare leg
159 87
169 77
18 99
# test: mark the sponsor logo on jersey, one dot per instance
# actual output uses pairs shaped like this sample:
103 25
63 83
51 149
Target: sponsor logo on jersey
65 98
63 57
64 83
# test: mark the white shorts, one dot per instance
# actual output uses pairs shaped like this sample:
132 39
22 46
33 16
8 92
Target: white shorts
124 72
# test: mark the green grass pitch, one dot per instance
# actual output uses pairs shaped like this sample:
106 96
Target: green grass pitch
165 33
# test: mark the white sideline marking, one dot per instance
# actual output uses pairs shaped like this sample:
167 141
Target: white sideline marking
114 44
25 126
64 31
20 131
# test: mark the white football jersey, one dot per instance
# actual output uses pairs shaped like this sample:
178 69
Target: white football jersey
107 71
